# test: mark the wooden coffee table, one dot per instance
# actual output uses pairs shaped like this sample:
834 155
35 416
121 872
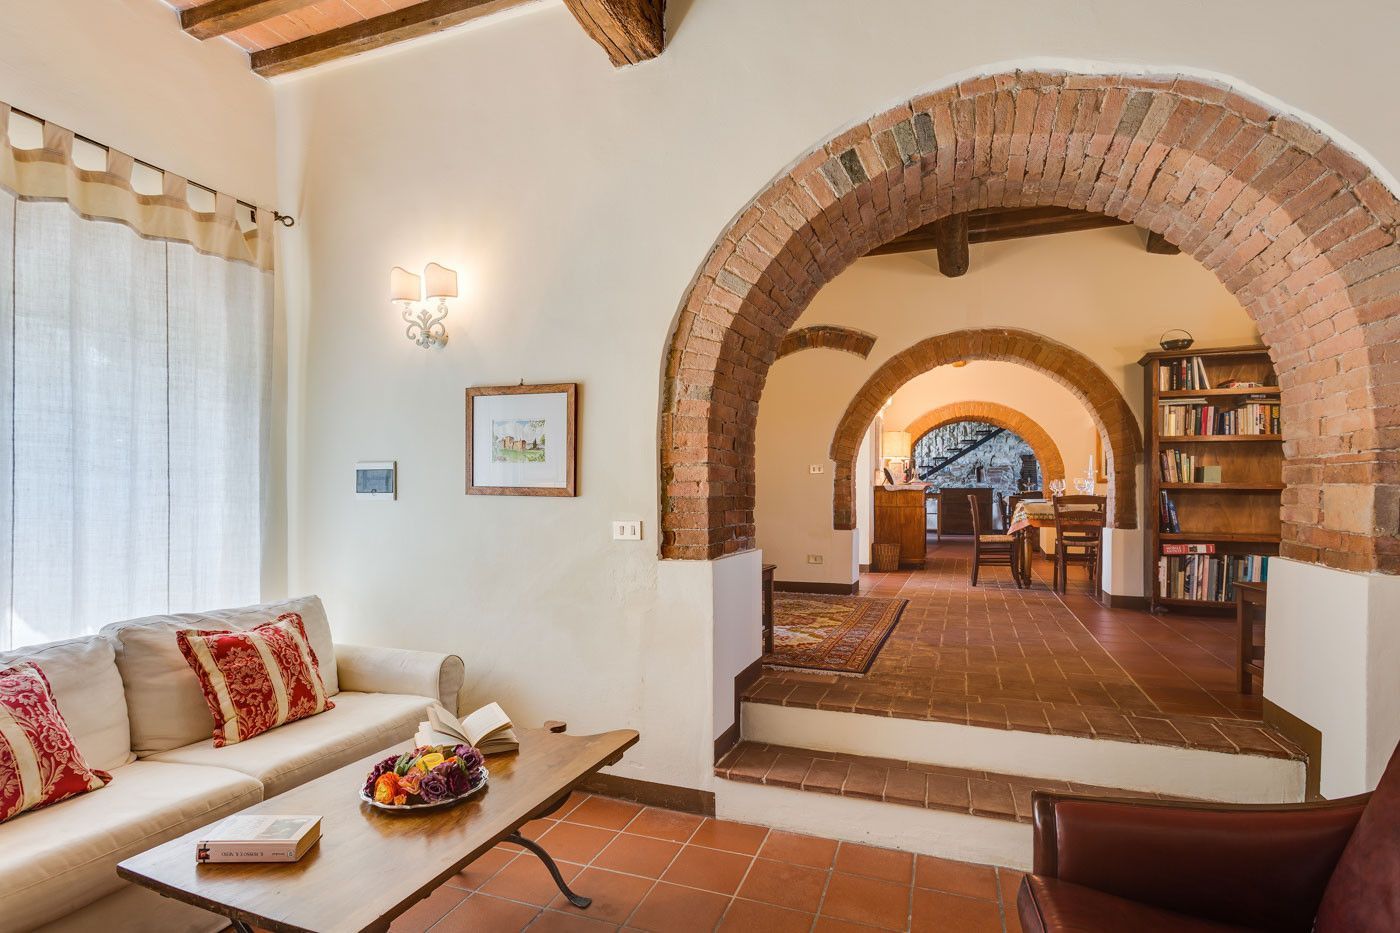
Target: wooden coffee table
370 865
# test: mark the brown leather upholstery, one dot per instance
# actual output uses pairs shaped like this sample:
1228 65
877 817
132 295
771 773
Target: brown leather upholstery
1364 893
1047 904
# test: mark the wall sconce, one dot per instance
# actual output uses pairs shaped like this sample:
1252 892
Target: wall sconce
425 326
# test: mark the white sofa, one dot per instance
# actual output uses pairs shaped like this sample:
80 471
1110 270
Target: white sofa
135 709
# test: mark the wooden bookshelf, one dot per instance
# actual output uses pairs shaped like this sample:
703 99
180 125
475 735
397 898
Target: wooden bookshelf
1240 514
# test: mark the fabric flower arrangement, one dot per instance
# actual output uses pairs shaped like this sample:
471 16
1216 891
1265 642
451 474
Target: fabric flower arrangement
428 774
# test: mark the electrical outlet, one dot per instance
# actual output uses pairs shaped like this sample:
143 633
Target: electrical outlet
814 558
816 468
627 531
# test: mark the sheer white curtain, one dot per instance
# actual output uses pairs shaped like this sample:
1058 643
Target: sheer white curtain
134 408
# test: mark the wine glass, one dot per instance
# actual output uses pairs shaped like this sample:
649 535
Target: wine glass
1085 486
1057 488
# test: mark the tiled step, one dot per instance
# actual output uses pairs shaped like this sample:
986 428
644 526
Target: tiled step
954 790
1141 765
1114 724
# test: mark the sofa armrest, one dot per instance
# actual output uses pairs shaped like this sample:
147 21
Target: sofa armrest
366 669
1262 866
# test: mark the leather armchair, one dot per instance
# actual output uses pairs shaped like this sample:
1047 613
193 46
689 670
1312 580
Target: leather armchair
1157 866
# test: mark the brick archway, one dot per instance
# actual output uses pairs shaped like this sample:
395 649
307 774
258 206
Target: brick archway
829 336
1047 452
1070 368
1299 230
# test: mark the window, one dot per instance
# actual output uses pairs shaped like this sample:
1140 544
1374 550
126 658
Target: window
134 408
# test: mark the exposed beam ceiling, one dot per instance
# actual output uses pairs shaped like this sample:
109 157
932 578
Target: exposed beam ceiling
421 19
219 17
952 235
287 35
630 31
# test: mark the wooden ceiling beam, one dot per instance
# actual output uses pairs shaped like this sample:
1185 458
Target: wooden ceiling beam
630 31
1156 243
991 224
421 19
219 17
951 234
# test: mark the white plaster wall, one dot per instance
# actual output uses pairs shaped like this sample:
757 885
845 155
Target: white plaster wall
738 639
578 202
1332 656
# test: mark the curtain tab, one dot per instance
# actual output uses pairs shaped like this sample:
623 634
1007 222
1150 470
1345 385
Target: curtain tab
119 165
4 123
224 206
175 186
59 140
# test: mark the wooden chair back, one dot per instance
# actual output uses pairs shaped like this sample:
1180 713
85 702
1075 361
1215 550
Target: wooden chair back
977 530
1080 517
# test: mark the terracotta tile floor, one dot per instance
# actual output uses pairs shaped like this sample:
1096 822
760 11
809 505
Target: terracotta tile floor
956 790
659 870
1029 660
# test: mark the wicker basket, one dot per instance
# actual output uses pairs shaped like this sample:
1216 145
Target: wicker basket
886 558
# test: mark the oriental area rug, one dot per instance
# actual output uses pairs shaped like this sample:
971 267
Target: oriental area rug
838 634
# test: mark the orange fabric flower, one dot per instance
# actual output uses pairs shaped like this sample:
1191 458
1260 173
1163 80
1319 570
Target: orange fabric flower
386 789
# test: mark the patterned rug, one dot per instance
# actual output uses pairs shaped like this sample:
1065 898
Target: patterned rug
841 634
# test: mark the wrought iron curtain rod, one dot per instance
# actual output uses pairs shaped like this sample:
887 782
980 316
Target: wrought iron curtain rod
285 220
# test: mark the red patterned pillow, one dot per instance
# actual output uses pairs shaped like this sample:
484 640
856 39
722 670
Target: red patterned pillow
39 762
257 679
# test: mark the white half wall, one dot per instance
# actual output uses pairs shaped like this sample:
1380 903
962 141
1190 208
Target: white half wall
737 585
1333 660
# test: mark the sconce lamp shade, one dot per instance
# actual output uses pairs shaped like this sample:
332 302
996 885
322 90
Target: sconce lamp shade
404 285
896 445
440 281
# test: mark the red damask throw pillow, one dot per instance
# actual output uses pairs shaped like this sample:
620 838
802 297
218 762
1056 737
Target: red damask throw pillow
256 679
39 762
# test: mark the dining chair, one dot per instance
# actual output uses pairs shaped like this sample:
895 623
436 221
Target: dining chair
1079 524
991 549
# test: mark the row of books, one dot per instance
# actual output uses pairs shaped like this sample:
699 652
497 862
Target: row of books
1178 466
1208 577
1194 417
1186 373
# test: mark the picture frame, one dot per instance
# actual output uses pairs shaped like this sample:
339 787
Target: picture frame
521 440
377 480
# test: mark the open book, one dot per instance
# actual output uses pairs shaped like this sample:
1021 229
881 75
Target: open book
488 729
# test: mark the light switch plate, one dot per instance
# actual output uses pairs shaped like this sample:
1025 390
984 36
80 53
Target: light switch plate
814 558
627 531
816 468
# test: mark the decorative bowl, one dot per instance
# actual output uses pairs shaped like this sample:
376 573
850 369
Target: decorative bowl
426 777
481 782
1176 343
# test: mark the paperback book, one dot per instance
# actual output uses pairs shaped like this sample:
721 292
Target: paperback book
258 838
488 729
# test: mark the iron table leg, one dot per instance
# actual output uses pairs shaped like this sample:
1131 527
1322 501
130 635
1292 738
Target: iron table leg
577 900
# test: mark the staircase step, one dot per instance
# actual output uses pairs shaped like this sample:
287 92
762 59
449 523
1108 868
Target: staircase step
933 787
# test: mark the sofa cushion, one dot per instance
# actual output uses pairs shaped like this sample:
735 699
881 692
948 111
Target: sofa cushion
165 704
88 690
40 764
256 680
60 858
359 725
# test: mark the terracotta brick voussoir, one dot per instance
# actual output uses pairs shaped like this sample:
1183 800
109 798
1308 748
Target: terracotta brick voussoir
1301 230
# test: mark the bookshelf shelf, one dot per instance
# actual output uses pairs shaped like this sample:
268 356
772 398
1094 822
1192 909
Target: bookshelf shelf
1236 519
1216 393
1217 438
1224 487
1219 536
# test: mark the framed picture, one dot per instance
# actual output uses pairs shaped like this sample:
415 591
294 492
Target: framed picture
377 480
521 439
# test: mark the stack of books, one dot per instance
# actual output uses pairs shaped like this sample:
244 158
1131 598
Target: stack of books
1200 574
1184 374
1189 417
258 838
1181 467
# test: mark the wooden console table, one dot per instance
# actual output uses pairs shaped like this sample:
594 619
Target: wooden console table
1251 600
900 519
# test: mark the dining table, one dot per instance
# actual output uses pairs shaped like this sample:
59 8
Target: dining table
1030 516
